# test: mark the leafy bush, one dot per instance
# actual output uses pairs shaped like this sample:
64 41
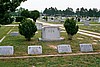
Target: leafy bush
70 27
27 28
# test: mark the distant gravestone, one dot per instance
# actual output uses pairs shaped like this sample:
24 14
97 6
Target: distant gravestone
6 50
86 23
39 26
14 33
51 33
34 49
86 47
64 48
99 20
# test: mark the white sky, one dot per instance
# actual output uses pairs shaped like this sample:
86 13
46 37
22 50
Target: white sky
60 4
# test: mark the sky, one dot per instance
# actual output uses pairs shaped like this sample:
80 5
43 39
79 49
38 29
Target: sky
60 4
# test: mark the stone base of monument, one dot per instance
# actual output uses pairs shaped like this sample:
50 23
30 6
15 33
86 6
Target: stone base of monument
59 39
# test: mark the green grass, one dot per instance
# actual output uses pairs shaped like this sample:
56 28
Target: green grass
21 45
93 28
90 22
4 30
68 61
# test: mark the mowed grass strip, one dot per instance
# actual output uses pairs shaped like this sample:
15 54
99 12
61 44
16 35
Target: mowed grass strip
68 61
21 45
92 28
4 30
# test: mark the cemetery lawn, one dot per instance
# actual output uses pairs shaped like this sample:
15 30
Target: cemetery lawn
94 28
68 61
4 30
77 22
21 45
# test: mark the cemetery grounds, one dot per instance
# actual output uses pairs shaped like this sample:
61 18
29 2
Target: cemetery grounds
49 48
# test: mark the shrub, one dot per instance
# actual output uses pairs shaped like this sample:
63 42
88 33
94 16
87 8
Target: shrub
70 27
27 28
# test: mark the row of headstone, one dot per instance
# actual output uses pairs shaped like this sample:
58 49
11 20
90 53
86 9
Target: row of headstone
64 48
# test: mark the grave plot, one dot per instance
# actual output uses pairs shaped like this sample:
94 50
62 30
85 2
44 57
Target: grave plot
34 49
64 48
6 50
86 23
50 33
86 47
14 33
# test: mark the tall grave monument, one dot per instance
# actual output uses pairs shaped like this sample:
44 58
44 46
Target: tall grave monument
51 33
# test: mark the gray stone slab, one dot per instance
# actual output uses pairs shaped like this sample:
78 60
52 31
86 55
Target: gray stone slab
64 48
14 33
86 23
6 50
86 47
50 33
34 49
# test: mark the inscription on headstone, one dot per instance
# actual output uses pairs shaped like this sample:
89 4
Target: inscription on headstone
34 49
64 48
51 33
86 47
6 50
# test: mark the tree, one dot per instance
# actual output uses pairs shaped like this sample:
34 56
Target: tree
25 13
7 6
27 29
70 27
34 15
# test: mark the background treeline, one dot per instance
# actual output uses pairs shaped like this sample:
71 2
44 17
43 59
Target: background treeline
83 12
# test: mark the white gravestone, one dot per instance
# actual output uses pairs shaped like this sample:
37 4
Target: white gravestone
34 49
6 50
39 26
86 47
99 20
14 33
64 48
51 33
86 23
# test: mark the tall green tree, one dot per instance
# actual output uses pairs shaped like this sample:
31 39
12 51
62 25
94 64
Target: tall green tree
25 13
34 15
27 28
7 6
70 27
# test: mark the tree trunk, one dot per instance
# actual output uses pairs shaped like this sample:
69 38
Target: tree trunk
70 37
28 39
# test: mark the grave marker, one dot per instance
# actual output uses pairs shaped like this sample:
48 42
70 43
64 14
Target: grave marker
34 49
86 23
50 33
64 48
86 47
14 33
6 50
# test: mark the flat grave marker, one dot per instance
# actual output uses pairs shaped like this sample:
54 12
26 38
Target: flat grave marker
14 33
64 48
6 50
86 47
34 49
